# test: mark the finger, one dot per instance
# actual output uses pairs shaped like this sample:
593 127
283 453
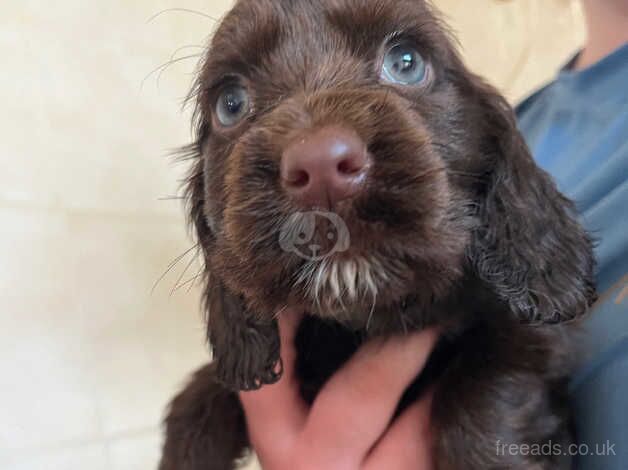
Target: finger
407 445
275 413
354 409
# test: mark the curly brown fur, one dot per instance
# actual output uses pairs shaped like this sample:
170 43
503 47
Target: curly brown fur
456 226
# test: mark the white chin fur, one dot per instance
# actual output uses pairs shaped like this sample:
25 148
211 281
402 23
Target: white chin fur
335 284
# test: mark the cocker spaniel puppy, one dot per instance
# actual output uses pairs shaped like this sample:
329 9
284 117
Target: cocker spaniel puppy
348 164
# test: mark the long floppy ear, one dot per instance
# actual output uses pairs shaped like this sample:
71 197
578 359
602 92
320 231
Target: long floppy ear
245 349
529 248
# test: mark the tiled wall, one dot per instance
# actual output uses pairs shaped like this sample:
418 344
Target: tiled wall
89 352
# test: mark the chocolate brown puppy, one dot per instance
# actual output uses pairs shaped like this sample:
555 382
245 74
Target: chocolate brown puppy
348 164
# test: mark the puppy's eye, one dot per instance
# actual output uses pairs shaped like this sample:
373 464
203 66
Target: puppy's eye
404 65
232 105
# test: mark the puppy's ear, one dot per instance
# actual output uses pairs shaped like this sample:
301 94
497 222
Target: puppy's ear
245 349
529 248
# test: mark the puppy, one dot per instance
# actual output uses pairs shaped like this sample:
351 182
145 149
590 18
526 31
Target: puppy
349 165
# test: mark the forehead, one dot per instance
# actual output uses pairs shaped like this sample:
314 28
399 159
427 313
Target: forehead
256 31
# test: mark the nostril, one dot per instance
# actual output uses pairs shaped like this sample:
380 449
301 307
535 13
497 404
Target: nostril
350 166
347 167
299 179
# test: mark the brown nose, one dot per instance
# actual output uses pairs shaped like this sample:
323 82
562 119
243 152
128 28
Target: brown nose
325 166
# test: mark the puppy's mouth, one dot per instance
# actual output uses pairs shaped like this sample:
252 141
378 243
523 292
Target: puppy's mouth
337 285
342 270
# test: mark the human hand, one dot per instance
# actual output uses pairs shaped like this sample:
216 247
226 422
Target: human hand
348 426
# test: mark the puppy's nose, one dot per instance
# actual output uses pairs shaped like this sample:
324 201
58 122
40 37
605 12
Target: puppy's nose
325 166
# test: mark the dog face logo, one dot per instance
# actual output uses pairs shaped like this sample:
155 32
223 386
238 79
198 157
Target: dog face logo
298 235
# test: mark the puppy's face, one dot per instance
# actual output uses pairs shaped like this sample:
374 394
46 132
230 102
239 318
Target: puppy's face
348 163
293 90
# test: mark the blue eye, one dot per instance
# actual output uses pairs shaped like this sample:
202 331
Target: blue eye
232 105
404 65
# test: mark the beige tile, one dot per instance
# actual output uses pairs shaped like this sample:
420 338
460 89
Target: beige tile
133 384
506 41
83 132
89 350
45 395
135 453
144 452
147 342
92 457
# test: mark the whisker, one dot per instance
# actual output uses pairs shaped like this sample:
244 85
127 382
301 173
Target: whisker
199 275
281 310
193 280
183 10
368 322
464 174
428 173
175 287
182 48
172 265
190 283
174 55
404 324
165 66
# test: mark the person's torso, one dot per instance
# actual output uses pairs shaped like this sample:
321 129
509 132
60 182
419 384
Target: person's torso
577 130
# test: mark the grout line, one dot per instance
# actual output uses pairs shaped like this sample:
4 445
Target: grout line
91 212
106 440
108 461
